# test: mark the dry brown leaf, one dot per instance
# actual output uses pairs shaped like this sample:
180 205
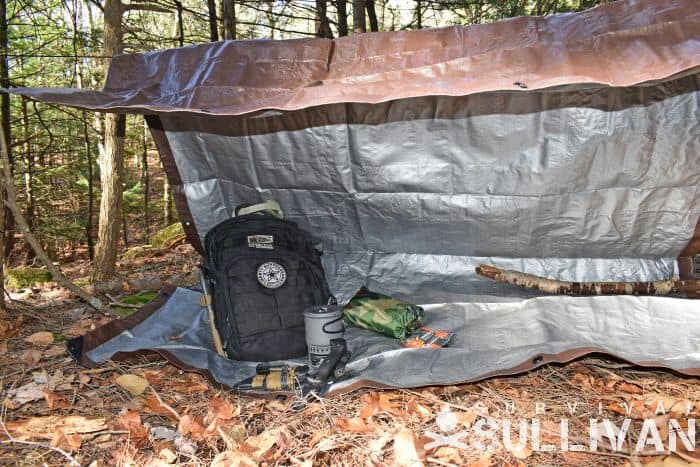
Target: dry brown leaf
32 356
153 406
260 446
55 400
46 427
376 402
55 351
523 453
132 383
483 461
191 426
405 450
69 442
221 408
423 412
448 454
466 419
575 457
629 388
29 392
168 455
355 425
42 338
673 461
3 347
84 379
233 459
5 328
131 422
668 405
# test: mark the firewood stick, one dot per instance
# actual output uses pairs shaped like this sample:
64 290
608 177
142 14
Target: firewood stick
690 288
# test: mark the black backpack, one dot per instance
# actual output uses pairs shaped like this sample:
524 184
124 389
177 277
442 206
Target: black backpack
262 272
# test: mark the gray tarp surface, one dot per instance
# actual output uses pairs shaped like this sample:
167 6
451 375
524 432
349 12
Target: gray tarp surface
490 338
409 196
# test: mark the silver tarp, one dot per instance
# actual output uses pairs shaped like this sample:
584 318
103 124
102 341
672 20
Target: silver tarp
491 338
409 196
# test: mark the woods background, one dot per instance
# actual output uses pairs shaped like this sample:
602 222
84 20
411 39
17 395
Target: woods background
91 185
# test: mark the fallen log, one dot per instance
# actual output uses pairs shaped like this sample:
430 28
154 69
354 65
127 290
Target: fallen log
142 284
689 288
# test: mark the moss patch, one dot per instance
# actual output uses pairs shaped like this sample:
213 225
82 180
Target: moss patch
135 251
19 278
138 299
169 236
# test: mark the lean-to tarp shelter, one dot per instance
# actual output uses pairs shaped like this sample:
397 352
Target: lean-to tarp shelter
565 146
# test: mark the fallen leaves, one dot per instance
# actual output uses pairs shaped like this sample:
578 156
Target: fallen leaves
136 385
378 402
354 425
130 421
43 338
32 356
69 442
406 453
55 400
27 393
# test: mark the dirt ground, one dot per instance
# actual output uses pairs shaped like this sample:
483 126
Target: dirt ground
55 412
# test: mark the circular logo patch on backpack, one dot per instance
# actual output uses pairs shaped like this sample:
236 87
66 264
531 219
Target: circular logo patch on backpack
271 275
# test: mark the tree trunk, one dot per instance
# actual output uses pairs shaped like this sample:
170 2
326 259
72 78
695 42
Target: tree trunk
271 21
111 160
6 236
167 210
358 16
91 192
323 27
342 8
5 123
145 182
419 14
229 19
180 25
213 21
372 15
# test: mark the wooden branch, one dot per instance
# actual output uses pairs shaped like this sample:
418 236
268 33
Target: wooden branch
690 288
144 284
11 202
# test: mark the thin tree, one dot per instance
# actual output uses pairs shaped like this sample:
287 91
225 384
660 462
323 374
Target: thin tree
213 21
358 16
372 15
111 159
5 122
341 7
419 14
229 7
323 27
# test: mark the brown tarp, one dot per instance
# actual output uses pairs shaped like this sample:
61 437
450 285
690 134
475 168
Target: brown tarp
621 44
618 44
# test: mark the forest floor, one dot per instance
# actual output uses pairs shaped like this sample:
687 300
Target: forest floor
55 412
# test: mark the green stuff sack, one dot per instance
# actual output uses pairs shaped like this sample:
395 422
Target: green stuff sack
382 314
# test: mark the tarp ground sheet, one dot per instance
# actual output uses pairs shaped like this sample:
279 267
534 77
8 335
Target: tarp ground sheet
410 187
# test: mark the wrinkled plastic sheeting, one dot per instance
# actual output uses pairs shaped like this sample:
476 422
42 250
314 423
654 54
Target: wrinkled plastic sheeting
409 196
489 338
